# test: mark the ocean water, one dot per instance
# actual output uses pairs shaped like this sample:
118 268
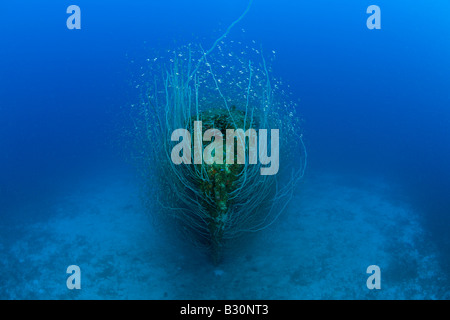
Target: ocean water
373 105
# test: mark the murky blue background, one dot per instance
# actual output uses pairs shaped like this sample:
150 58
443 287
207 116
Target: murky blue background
375 102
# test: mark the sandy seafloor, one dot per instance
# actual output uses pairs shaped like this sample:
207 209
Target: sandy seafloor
318 249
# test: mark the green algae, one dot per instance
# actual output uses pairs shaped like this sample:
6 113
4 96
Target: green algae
222 178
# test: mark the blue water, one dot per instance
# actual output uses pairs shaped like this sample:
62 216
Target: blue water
375 105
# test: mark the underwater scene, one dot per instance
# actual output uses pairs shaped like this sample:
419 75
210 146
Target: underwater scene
225 150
